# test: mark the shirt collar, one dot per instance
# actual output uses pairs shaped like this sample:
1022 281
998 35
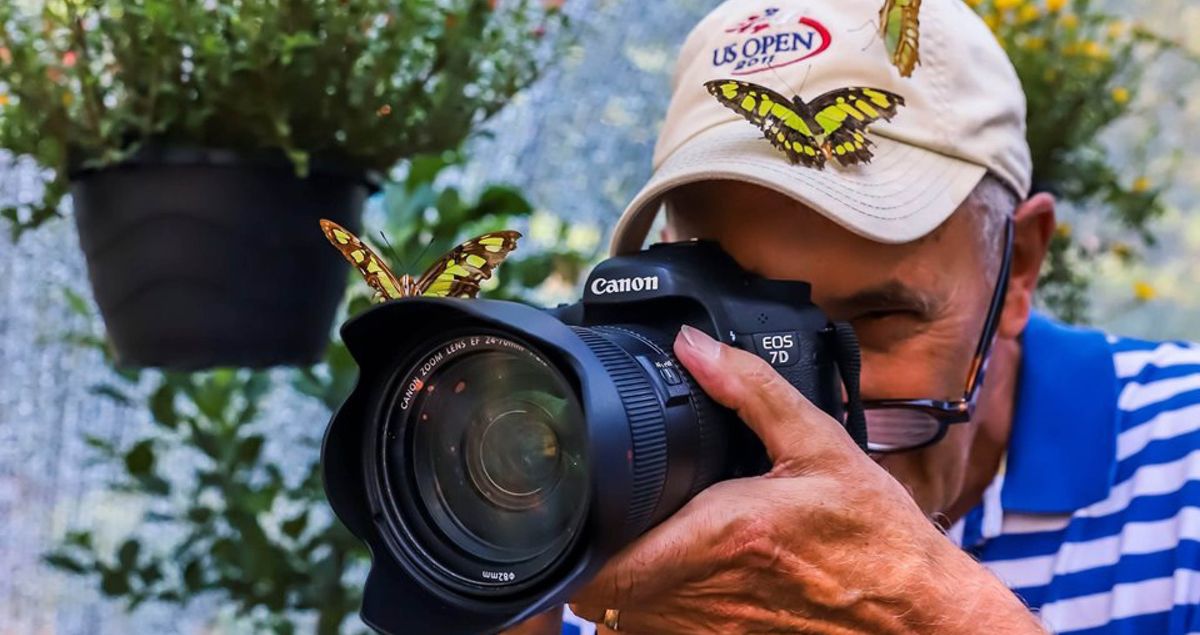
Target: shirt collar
1062 450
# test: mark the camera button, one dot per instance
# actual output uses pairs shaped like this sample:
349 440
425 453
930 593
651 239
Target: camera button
676 389
669 373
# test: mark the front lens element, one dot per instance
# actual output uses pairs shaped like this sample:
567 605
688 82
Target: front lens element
514 457
491 437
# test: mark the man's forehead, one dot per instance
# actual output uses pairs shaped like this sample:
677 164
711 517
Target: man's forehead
706 202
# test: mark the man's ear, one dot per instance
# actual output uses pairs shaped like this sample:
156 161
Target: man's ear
1033 227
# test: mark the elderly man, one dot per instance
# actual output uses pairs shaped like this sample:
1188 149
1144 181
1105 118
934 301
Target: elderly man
1066 477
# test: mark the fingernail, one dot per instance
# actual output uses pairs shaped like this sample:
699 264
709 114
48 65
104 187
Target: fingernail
700 342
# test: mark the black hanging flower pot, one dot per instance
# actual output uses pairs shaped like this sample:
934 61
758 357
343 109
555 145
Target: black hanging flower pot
203 258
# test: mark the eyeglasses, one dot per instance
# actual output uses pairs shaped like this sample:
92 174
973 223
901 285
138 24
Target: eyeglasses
901 425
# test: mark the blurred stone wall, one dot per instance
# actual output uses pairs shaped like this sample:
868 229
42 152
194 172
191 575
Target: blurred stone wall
579 142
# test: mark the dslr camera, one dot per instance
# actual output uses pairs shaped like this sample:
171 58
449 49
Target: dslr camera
494 455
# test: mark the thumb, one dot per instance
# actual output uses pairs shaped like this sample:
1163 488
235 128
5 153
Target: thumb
792 429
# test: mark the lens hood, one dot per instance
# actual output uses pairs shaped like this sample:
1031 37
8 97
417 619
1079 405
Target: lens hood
402 595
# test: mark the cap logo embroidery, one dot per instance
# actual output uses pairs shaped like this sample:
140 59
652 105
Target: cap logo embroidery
770 39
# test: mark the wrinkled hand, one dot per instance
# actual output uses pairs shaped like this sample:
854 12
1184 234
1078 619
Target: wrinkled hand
826 542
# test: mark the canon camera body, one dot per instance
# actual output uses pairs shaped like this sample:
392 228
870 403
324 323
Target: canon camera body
494 455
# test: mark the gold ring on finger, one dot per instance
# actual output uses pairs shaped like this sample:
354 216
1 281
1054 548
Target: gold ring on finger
612 619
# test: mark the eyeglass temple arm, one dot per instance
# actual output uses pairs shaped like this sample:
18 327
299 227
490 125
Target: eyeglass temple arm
975 377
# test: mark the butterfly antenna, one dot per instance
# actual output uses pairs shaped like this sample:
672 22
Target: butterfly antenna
789 86
805 80
862 26
874 32
391 250
421 255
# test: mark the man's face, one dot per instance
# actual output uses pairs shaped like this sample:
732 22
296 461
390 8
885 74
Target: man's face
918 308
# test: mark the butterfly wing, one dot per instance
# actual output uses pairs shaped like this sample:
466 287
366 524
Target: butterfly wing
777 117
844 114
899 25
458 273
369 264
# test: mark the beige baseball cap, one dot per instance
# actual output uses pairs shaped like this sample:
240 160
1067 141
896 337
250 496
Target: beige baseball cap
964 114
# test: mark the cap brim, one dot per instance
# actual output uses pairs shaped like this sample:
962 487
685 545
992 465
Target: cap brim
904 193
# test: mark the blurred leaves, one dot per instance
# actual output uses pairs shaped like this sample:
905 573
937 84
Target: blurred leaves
234 540
1082 70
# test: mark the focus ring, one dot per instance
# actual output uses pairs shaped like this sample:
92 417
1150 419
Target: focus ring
712 439
647 426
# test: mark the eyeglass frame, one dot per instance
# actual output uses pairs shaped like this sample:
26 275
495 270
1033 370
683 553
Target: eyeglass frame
948 413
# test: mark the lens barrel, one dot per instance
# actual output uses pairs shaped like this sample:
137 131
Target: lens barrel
483 452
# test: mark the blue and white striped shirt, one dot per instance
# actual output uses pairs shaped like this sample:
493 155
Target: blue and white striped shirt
1094 519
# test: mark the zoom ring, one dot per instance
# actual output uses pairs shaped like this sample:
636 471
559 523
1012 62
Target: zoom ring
647 426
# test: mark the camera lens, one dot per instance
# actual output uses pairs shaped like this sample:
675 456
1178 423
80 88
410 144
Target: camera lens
484 453
493 456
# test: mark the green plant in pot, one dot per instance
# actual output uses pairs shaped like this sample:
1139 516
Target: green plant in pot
201 141
233 508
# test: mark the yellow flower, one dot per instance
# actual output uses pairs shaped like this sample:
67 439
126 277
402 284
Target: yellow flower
1093 50
1120 94
1035 43
1116 29
4 100
68 99
1143 291
992 20
1028 13
1054 6
1063 230
1006 5
974 3
1070 49
1070 21
1141 184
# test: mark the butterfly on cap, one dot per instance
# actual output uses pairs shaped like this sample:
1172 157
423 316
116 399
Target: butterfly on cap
457 274
899 25
831 127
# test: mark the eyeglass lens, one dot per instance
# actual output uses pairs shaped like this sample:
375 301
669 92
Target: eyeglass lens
893 429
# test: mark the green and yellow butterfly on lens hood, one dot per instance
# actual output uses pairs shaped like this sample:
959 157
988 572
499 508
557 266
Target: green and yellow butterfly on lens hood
457 274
